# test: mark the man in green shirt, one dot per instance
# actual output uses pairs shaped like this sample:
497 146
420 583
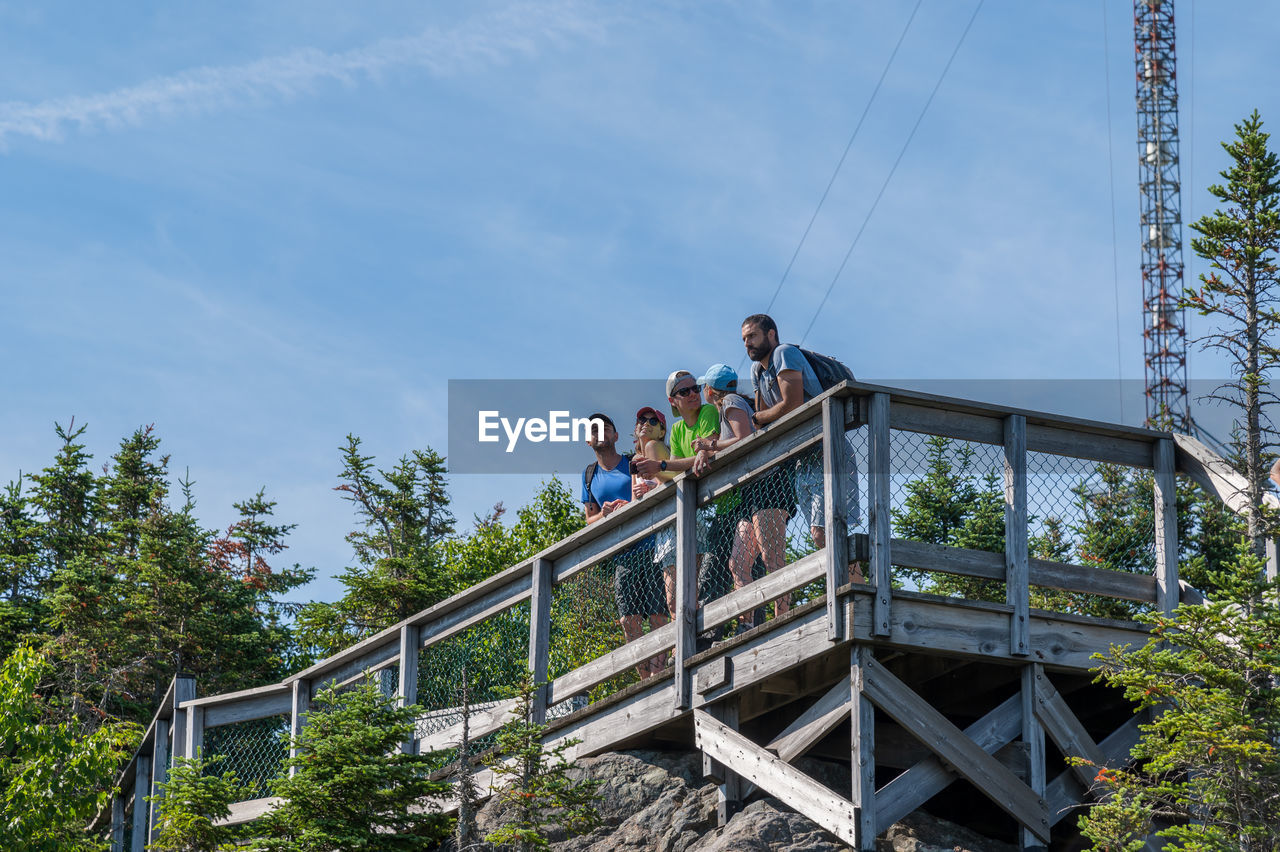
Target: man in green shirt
693 419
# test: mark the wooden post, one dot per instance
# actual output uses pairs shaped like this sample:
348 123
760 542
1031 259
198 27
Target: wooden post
1033 738
184 689
194 744
878 510
732 787
1016 564
298 718
117 822
835 466
159 774
141 812
1166 521
686 614
540 636
863 742
410 645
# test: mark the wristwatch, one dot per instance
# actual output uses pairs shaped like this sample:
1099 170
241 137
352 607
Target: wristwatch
662 465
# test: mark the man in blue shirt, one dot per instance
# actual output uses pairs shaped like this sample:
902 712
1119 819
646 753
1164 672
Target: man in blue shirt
637 581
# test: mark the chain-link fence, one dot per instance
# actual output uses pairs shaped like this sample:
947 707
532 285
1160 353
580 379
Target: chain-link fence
948 491
128 824
493 655
255 750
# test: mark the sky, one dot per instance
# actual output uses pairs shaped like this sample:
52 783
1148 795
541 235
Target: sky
263 227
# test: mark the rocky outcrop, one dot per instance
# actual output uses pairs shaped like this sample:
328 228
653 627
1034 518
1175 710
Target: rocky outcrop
653 801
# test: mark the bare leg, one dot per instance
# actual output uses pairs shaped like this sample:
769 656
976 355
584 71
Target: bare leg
669 585
819 537
771 532
632 629
658 663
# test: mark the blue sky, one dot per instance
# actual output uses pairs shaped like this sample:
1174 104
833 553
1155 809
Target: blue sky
263 226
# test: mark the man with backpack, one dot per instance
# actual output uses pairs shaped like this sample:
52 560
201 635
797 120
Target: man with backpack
637 582
786 377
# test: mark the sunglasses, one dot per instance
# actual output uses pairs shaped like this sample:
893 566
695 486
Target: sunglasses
685 391
651 421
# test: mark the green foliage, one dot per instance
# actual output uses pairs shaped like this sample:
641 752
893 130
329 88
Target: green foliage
53 778
1208 762
194 798
352 788
404 519
533 782
1241 242
123 589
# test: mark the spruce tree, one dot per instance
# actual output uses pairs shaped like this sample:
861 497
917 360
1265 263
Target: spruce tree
532 782
1241 242
195 802
349 786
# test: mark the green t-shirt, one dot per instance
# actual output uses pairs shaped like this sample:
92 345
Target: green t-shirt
682 437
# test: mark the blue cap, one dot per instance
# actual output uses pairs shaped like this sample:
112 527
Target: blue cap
722 377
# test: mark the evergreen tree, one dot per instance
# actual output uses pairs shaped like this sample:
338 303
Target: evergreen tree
938 503
1208 763
981 529
351 787
1241 241
21 569
404 520
533 782
195 801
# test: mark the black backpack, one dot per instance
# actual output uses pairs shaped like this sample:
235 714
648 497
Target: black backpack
829 371
589 472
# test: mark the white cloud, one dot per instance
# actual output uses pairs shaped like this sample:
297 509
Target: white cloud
473 45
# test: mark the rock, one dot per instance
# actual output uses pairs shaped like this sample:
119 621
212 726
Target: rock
654 801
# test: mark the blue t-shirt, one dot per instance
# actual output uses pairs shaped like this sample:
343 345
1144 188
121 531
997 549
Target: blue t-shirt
608 485
784 357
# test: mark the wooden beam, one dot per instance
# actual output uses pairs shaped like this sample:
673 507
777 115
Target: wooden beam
802 637
930 420
931 776
407 688
977 630
141 811
790 785
1065 791
298 707
613 663
540 637
1063 440
1215 475
686 586
731 789
482 721
159 773
1166 524
862 748
933 729
184 690
117 823
878 511
835 479
1017 571
813 724
217 714
1064 728
1032 738
195 731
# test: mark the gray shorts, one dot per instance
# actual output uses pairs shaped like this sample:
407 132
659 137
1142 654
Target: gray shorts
809 491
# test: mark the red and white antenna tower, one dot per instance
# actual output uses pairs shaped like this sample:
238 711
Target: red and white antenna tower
1165 332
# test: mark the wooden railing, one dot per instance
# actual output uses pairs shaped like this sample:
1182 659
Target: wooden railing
179 726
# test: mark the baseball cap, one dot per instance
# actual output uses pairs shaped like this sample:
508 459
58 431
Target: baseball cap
672 381
721 377
648 411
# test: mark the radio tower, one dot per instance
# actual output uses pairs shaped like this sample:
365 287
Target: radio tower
1165 332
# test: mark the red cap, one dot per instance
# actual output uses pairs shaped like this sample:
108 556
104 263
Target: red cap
652 412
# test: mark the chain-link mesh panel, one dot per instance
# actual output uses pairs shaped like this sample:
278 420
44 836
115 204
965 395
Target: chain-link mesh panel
494 655
947 492
254 750
615 601
1093 514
